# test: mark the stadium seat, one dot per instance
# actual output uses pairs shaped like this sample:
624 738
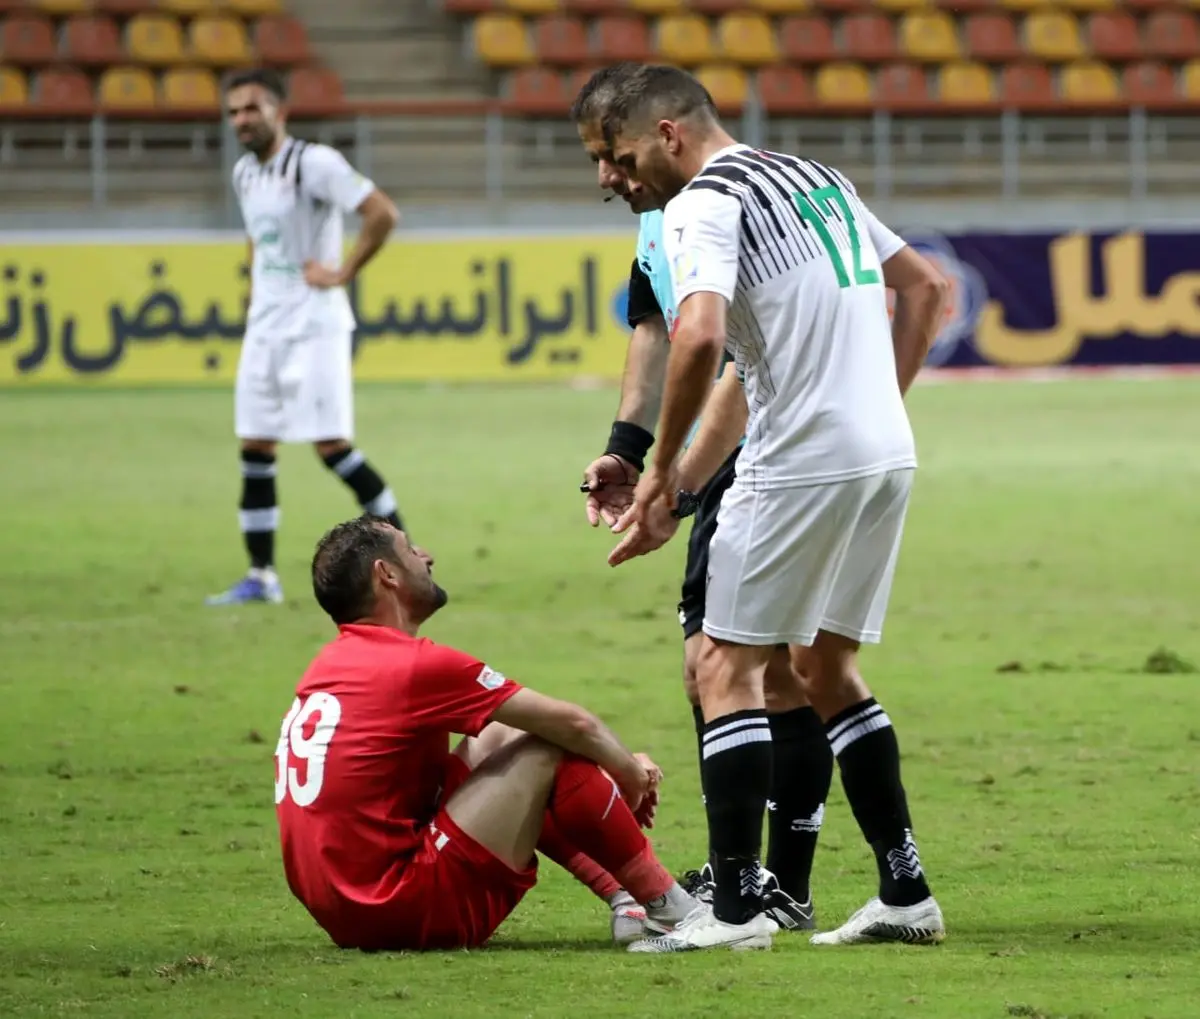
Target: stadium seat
966 6
219 40
501 40
189 8
1026 5
1171 35
1089 81
92 41
538 92
1027 85
560 40
900 6
190 88
1089 5
715 8
1189 80
462 8
154 39
747 38
784 90
64 90
992 38
126 87
576 79
252 8
315 92
1148 84
901 85
840 6
963 84
1053 35
60 8
684 39
777 7
726 84
281 41
929 36
1114 35
618 37
842 84
531 7
870 38
594 8
124 8
27 40
656 6
806 40
14 90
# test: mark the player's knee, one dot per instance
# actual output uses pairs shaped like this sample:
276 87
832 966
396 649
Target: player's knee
326 448
783 686
263 446
721 673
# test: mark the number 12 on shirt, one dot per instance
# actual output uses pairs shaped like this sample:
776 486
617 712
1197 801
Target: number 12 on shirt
813 207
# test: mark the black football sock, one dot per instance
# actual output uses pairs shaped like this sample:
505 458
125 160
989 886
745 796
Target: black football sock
868 754
802 771
737 777
698 719
371 491
258 513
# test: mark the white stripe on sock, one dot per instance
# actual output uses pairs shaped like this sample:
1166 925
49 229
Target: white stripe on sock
737 739
872 724
259 519
347 466
252 469
384 504
862 716
728 727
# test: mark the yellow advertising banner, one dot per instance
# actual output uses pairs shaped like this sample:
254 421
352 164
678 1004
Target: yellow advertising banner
148 311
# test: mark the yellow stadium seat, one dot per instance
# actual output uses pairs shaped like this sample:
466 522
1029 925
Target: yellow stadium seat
154 39
929 36
190 88
1189 80
841 83
1053 35
684 39
966 83
63 6
501 40
189 8
747 39
1026 5
532 7
899 6
780 6
656 6
1089 81
1088 5
253 8
14 89
727 85
219 40
126 87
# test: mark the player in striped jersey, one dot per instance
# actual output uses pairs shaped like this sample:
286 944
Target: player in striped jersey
802 763
778 260
294 380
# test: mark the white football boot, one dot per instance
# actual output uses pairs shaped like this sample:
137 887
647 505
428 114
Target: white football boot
701 929
876 923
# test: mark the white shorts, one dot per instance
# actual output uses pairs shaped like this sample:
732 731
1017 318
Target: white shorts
786 563
295 389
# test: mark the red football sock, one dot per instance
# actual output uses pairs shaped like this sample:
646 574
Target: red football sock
591 814
554 845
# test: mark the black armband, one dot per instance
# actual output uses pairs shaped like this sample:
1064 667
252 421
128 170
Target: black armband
630 442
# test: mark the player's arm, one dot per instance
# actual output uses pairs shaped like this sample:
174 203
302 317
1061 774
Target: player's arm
921 295
329 177
249 268
575 729
721 429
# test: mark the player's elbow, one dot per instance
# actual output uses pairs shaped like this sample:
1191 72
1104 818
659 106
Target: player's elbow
702 337
380 211
581 725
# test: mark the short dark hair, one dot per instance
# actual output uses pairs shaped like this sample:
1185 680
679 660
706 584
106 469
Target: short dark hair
657 92
342 566
598 92
268 78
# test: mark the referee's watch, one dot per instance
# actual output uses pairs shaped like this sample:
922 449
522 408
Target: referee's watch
686 504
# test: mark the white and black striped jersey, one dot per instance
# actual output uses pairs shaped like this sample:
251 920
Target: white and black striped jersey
292 206
799 257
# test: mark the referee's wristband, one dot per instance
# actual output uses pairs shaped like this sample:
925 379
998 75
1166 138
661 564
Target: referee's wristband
630 442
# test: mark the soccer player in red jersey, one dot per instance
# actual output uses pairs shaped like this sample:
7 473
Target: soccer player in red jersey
393 841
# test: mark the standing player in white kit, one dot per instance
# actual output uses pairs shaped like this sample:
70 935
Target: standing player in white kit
294 380
780 255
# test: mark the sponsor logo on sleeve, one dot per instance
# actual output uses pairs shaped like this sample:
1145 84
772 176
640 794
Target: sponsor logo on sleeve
490 679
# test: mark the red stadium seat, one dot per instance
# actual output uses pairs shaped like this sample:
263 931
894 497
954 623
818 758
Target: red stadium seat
717 7
784 90
124 8
92 40
901 85
806 39
27 40
1027 85
1148 84
620 37
1113 35
560 40
64 90
1172 35
315 92
594 8
538 92
992 38
281 42
870 38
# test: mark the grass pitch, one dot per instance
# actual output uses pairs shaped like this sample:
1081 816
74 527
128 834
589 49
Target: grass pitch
1036 664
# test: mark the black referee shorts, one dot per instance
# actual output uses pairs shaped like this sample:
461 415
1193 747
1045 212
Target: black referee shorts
704 526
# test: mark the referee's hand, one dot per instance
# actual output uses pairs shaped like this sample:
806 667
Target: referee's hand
609 483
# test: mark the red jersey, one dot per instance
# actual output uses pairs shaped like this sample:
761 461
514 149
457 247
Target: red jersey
361 759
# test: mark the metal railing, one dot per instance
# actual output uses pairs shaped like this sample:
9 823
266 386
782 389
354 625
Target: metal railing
483 152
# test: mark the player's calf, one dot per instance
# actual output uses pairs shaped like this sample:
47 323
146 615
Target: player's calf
374 495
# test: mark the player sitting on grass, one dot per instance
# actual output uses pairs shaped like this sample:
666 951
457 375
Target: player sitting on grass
392 841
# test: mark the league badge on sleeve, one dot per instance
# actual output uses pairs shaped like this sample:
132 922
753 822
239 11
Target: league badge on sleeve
684 267
490 679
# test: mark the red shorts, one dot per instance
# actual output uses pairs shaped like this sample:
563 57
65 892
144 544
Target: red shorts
453 894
